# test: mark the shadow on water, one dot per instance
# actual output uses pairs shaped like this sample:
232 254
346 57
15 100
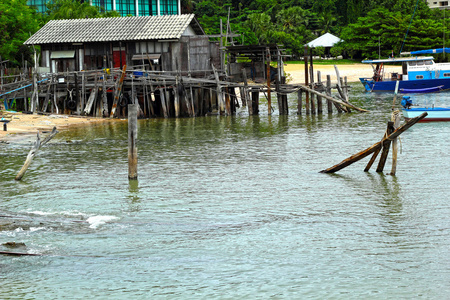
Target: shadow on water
385 191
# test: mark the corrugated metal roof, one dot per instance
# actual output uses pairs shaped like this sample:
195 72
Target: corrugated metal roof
114 29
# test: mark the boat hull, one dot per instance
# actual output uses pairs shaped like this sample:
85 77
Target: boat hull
437 114
389 86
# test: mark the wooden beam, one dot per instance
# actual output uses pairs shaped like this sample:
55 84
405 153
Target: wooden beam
377 146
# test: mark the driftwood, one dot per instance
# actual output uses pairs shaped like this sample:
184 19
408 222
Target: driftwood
375 147
37 144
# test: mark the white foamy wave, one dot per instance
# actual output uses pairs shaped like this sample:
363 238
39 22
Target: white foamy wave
59 213
32 229
96 221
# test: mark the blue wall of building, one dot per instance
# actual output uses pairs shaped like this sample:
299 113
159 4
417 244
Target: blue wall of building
127 7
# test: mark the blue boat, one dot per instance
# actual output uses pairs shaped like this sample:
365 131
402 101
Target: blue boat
418 73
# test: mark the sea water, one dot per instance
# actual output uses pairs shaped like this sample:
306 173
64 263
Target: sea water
229 208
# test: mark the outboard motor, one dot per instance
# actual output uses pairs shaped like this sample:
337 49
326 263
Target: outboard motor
406 102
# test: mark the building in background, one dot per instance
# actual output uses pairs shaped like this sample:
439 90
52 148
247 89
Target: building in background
127 7
438 4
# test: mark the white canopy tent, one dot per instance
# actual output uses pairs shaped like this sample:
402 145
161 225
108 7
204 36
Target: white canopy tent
326 40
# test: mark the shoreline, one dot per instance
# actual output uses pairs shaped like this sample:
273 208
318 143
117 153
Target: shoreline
22 126
25 125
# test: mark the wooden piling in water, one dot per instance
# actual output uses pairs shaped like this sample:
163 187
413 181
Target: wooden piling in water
255 102
328 92
319 98
132 138
299 101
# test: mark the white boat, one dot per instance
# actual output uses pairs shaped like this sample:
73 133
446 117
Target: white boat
435 114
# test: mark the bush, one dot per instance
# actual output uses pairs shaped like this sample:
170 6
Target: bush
319 51
336 51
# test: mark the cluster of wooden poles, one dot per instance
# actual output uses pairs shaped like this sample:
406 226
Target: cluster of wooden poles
106 93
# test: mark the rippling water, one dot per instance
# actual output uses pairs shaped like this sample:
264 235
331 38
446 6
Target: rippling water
230 208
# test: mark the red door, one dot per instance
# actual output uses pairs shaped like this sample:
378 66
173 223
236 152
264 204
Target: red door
117 61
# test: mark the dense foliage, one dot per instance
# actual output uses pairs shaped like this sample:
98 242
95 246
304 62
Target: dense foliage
369 28
17 22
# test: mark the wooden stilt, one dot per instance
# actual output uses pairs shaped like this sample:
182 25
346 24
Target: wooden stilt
319 98
328 91
299 104
269 99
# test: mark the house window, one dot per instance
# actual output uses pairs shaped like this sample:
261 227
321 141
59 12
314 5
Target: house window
169 7
419 77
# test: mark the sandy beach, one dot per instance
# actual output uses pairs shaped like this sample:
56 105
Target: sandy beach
25 124
22 125
296 72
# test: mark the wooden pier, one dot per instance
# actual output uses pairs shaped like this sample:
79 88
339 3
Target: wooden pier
106 93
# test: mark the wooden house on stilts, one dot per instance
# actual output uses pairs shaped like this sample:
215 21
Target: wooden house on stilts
82 62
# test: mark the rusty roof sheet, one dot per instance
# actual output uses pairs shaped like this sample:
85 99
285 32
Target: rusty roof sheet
114 29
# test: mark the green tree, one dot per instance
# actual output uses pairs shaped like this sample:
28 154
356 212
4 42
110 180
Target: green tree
385 29
17 22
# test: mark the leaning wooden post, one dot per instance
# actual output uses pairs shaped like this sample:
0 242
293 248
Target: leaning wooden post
377 146
37 144
132 137
386 145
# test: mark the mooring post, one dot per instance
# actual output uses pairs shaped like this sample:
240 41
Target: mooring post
308 111
132 137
